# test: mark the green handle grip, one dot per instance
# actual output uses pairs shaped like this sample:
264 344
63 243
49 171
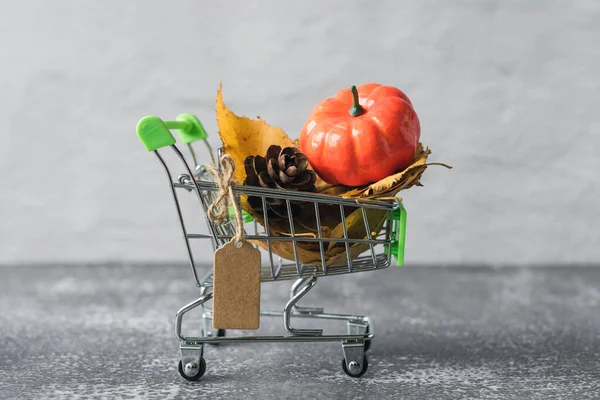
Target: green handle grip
188 127
154 133
399 230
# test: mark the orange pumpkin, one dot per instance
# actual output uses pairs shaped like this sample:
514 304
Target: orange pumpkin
361 135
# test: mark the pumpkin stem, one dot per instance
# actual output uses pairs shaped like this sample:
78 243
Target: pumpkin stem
356 108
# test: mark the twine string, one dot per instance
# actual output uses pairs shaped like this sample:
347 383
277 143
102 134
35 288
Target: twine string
218 211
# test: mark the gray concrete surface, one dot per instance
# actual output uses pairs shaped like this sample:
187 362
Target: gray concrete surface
92 332
507 92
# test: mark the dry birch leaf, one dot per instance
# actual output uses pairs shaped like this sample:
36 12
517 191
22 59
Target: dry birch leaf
309 252
355 225
337 254
286 250
402 180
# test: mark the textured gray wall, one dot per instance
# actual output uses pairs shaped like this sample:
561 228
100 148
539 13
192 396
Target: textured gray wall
507 92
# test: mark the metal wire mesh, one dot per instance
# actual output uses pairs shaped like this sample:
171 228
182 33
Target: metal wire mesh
276 268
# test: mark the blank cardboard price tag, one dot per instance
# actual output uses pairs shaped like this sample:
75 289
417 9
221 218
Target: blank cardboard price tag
236 287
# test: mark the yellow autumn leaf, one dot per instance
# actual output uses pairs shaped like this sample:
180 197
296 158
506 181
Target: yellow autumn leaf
243 136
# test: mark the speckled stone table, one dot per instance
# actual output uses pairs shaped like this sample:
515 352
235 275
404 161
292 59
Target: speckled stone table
441 333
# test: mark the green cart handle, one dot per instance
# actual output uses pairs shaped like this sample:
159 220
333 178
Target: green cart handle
399 233
188 127
155 133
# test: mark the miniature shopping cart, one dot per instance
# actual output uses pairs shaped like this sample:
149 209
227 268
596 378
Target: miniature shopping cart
196 181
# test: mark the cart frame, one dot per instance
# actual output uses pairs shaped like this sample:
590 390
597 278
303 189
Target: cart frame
156 134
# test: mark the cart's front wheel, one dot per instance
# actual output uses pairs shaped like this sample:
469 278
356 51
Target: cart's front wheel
354 369
192 371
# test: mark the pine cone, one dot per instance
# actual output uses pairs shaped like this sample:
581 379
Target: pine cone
284 169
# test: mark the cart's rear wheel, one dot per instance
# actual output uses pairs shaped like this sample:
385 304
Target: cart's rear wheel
195 371
356 374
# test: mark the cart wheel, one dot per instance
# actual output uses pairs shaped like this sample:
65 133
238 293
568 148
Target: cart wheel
195 371
357 374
